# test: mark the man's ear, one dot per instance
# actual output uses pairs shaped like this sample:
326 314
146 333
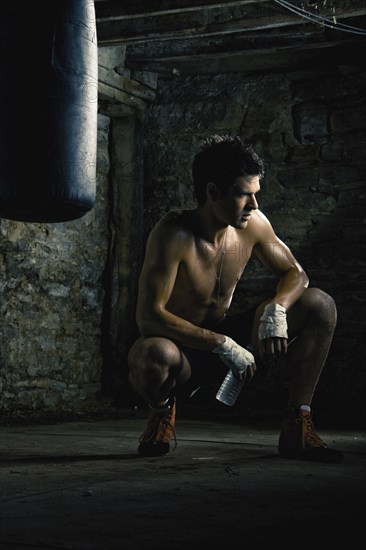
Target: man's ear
212 191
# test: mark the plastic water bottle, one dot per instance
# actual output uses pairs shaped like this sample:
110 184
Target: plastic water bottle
231 386
229 389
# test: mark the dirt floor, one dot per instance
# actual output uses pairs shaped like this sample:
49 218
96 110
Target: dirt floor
81 485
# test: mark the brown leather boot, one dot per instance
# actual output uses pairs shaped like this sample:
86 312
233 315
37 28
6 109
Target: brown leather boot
298 439
155 441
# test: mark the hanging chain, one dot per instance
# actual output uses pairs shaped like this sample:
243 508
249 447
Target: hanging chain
218 276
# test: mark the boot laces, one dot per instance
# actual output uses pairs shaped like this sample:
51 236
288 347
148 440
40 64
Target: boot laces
158 426
310 436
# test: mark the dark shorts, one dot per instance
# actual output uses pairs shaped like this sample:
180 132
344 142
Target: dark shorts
206 367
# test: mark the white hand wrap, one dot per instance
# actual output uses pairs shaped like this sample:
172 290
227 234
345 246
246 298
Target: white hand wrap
273 322
234 356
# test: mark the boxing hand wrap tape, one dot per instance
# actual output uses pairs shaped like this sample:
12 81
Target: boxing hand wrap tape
273 322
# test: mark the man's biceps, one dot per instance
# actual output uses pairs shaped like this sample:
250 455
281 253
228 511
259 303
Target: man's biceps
274 252
158 291
159 274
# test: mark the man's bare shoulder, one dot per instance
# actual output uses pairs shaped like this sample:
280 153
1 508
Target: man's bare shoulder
175 222
259 226
174 229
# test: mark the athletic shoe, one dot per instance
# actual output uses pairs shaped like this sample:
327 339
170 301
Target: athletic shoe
155 441
298 439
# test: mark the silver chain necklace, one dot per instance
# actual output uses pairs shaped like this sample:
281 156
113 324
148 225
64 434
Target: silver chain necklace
218 276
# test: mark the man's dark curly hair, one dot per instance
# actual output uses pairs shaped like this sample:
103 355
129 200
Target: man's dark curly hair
221 160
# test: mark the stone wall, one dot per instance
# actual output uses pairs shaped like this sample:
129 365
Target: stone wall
51 302
57 296
309 126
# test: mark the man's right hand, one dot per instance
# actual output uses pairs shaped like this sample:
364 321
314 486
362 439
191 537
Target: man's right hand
237 358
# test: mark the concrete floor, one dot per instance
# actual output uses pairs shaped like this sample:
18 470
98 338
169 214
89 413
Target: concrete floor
81 485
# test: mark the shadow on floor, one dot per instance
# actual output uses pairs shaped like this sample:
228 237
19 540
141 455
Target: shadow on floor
82 486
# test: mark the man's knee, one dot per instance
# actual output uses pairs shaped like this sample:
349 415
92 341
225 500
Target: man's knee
320 305
153 361
155 350
316 310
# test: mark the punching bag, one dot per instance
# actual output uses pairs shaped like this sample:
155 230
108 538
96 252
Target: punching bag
48 109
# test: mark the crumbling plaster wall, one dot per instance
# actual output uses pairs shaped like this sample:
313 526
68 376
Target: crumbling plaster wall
51 303
309 126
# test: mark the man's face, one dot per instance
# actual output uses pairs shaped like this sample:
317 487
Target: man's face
236 206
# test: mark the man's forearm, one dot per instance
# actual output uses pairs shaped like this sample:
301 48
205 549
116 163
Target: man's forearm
291 287
168 325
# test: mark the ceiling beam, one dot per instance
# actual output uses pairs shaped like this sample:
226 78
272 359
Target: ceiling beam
229 43
213 21
204 23
192 36
268 59
129 9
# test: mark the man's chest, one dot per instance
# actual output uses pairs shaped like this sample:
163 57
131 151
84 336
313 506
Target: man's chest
205 272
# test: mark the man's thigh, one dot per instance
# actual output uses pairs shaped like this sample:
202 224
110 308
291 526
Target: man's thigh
206 367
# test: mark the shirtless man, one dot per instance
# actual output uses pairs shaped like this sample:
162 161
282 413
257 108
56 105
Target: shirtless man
194 260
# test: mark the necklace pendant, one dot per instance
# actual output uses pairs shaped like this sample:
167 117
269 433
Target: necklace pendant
218 275
218 287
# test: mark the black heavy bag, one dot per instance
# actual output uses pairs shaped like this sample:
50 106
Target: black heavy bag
48 109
